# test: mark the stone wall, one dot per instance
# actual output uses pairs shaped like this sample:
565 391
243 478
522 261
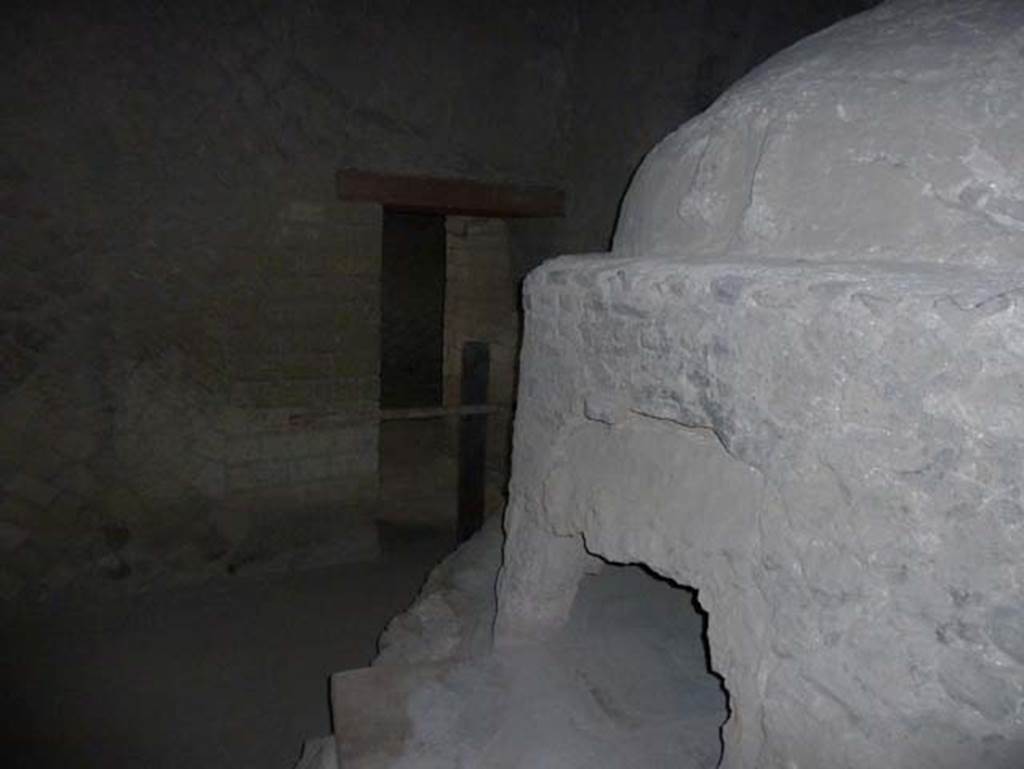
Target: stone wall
303 372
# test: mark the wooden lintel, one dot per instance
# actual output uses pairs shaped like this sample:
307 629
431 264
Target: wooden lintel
425 194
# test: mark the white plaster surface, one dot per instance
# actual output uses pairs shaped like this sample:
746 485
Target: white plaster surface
623 683
892 136
795 385
830 455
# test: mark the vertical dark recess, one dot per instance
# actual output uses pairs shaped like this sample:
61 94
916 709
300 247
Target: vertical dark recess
476 367
412 310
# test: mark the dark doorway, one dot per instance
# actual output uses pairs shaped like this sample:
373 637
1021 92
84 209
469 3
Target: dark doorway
412 310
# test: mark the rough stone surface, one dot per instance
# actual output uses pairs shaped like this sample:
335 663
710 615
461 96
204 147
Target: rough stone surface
893 136
454 612
318 754
623 683
828 455
795 386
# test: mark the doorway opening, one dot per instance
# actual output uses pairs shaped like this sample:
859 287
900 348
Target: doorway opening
417 455
412 310
448 342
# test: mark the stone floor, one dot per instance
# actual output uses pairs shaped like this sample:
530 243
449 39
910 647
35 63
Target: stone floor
233 673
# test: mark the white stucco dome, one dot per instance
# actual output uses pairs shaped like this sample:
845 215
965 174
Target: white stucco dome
897 135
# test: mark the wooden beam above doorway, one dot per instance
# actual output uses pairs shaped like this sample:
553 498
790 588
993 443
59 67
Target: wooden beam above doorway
436 195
